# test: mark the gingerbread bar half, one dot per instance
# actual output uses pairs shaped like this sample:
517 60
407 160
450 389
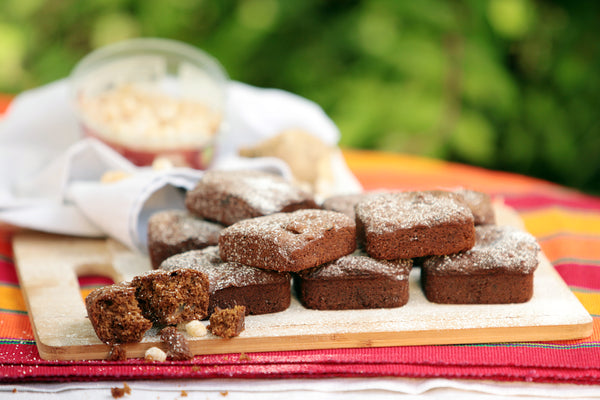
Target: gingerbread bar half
230 283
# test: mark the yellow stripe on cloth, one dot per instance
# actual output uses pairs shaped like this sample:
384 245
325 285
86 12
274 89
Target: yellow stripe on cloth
11 299
555 220
590 300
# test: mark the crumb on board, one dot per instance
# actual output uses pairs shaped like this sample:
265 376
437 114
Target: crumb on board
118 392
117 353
177 346
227 322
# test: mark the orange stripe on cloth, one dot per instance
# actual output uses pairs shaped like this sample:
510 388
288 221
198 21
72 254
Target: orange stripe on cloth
380 170
5 101
553 220
574 248
15 326
11 299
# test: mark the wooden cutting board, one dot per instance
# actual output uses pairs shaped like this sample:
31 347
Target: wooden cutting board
48 266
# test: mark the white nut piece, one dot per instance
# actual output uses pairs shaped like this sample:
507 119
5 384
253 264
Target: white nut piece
132 114
112 176
195 328
155 354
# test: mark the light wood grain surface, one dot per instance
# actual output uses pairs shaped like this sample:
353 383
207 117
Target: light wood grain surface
48 266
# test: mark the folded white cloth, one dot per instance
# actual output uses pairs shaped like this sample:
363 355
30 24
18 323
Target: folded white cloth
50 176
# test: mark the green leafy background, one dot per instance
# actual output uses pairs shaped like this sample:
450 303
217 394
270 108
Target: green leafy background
505 84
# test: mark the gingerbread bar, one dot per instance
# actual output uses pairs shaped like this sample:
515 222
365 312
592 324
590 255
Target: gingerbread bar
414 224
498 269
355 281
231 196
289 241
480 204
172 232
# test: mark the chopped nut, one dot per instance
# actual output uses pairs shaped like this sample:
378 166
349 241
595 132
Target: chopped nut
196 328
113 176
162 164
155 354
130 114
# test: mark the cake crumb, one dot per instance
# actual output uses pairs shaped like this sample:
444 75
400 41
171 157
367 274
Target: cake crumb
244 357
228 322
224 393
118 392
117 353
177 345
183 393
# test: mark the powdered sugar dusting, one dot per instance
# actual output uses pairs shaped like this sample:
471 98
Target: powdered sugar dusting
359 264
174 226
263 191
497 248
222 274
282 233
389 212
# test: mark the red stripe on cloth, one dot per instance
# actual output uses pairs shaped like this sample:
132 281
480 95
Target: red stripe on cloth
580 275
8 275
94 281
537 201
469 361
112 371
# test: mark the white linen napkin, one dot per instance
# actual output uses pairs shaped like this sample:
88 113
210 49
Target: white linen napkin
50 175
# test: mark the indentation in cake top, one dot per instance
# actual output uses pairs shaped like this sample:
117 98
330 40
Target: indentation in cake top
174 226
388 212
298 227
359 264
496 247
222 274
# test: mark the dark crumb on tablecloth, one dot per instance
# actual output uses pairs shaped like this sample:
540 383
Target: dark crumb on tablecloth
177 345
118 392
117 353
14 390
227 322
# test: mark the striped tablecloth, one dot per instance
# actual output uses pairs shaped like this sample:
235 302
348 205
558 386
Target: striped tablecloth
565 222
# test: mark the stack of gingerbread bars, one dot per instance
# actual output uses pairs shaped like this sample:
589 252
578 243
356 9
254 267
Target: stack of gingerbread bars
250 236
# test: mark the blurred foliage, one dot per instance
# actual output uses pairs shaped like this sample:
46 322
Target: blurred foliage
505 84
